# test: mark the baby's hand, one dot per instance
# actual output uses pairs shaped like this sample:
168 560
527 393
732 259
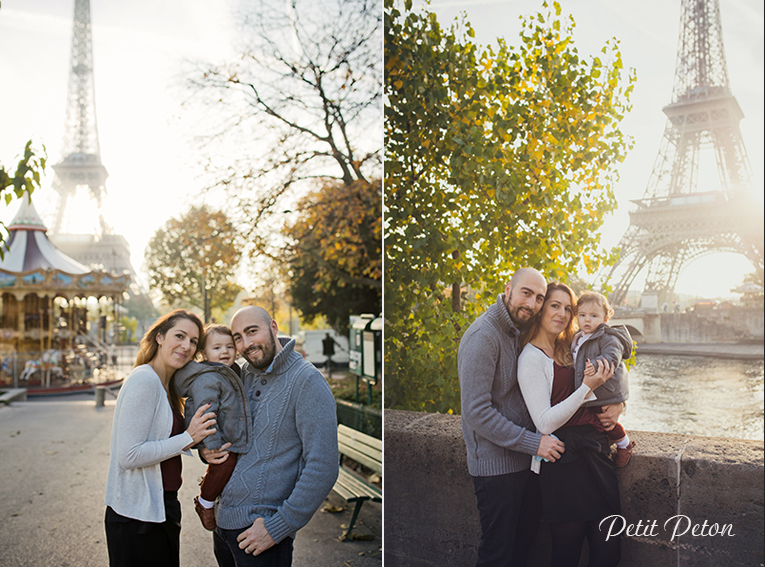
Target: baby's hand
589 368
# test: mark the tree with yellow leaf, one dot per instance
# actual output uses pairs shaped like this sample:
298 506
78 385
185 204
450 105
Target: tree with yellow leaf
193 258
334 259
495 159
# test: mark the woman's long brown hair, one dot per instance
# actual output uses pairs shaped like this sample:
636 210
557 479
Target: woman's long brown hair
149 345
562 349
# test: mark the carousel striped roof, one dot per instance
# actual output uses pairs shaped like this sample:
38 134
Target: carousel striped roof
28 247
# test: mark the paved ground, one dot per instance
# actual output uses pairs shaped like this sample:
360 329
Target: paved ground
55 456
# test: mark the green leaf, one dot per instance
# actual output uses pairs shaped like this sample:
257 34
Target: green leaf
517 146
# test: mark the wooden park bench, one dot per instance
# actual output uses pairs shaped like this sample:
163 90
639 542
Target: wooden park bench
366 451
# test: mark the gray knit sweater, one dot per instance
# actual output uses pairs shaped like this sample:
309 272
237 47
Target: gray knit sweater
499 433
292 463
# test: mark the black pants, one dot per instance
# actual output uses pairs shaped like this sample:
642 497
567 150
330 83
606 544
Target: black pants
133 543
510 511
228 553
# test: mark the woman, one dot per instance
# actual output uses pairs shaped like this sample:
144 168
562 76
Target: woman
580 488
143 515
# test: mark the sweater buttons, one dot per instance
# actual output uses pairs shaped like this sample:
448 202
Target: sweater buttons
263 382
257 393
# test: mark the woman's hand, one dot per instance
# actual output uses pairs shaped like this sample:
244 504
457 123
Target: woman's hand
201 424
214 456
604 371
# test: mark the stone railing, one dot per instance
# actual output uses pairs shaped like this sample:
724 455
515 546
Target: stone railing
711 487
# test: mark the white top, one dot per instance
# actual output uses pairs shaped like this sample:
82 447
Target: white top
143 421
578 341
535 377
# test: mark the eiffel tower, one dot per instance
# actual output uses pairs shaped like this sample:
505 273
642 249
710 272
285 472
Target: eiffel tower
675 223
80 166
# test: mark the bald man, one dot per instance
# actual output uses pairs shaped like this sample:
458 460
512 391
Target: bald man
499 433
292 465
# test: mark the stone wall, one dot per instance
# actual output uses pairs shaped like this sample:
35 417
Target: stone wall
431 517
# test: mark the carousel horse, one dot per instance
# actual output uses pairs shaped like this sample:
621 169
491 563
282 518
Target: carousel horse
50 361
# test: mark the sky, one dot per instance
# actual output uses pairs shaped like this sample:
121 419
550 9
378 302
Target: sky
648 33
138 47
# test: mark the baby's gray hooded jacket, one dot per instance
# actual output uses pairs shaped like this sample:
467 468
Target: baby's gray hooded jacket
221 386
613 344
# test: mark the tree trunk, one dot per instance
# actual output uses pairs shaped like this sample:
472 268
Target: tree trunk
205 300
456 299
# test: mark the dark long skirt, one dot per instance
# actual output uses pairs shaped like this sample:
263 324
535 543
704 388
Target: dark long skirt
582 485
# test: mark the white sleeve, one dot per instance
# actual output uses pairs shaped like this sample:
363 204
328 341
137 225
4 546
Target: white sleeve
138 403
535 379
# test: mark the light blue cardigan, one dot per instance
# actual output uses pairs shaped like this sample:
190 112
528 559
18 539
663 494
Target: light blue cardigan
140 441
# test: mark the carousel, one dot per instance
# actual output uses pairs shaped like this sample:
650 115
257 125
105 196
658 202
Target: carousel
58 323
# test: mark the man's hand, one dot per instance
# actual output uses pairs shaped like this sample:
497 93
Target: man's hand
255 539
214 456
550 448
610 415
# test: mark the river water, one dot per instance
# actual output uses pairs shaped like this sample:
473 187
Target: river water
696 396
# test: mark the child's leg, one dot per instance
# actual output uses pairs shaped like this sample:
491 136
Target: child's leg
216 478
623 445
617 433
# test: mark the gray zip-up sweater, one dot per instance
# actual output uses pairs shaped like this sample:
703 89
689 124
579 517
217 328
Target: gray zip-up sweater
292 463
499 434
613 344
220 386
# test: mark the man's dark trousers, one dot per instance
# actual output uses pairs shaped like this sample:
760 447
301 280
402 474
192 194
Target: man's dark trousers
228 553
509 507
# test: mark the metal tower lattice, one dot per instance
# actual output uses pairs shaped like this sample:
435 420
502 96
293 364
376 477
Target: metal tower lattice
80 150
81 165
675 223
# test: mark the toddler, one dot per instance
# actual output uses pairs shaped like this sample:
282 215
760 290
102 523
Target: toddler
596 340
216 381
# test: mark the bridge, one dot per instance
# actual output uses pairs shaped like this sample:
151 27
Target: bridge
700 326
643 326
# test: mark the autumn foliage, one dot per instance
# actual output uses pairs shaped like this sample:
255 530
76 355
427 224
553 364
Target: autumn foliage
193 258
334 259
495 158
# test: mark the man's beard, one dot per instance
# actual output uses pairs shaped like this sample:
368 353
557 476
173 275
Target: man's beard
516 312
268 351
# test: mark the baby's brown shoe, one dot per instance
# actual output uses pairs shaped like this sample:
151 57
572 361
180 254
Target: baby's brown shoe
207 515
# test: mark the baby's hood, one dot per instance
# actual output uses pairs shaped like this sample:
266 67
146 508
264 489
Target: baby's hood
621 333
184 377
